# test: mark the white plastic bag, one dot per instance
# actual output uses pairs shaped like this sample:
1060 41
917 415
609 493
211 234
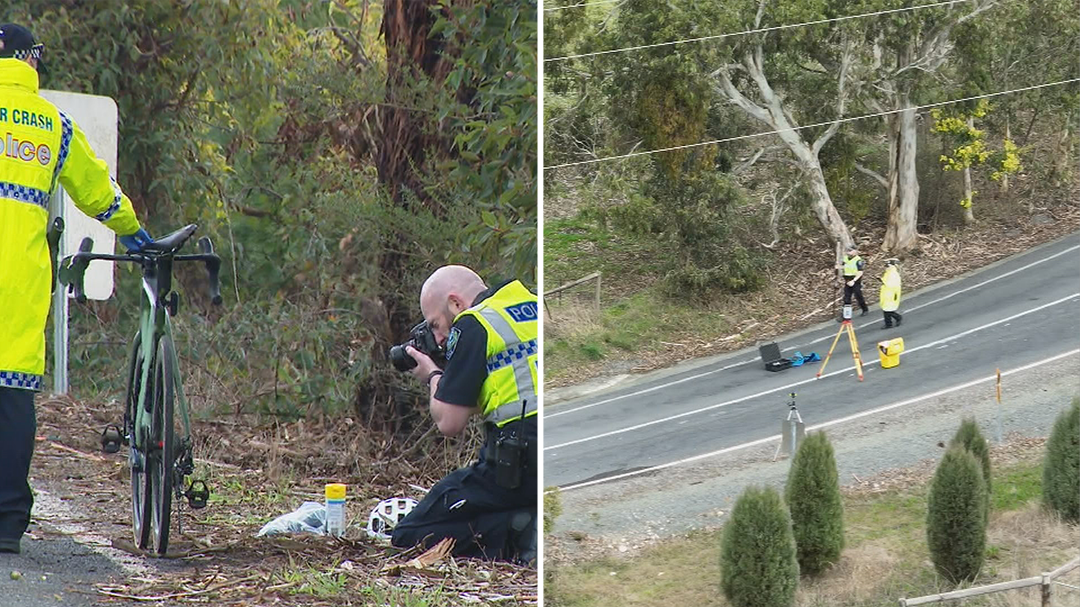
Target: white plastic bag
310 517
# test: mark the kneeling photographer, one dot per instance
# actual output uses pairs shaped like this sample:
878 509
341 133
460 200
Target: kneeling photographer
489 339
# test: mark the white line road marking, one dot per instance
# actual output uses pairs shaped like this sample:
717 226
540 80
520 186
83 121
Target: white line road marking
834 422
645 391
864 325
806 381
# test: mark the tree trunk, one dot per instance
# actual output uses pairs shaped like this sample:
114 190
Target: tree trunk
969 213
1005 176
904 203
822 203
969 206
406 135
416 65
1062 155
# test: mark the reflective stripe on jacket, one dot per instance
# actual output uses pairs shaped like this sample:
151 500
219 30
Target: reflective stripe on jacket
40 146
889 297
509 318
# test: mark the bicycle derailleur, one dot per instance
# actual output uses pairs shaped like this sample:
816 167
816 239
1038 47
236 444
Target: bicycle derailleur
196 490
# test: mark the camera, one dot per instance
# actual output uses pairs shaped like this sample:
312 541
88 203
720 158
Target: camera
421 338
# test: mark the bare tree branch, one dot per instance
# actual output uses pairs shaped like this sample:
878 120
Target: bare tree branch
878 177
846 55
727 88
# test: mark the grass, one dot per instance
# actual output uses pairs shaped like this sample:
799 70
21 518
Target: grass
886 556
639 322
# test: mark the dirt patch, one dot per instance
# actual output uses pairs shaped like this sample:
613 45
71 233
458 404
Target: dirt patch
256 472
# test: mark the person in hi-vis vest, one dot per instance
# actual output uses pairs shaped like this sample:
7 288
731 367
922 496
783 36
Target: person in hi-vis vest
40 147
889 297
490 337
853 271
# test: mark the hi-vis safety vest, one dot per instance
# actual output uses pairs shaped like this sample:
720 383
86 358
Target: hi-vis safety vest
509 316
40 146
889 297
851 265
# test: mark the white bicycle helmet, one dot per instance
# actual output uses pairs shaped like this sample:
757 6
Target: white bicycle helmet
387 514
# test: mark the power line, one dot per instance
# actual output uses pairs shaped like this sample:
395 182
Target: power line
559 8
753 31
809 126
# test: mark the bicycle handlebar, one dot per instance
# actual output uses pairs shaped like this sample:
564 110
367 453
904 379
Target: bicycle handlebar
73 267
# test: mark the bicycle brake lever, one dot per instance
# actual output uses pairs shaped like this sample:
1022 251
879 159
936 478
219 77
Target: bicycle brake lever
73 270
212 267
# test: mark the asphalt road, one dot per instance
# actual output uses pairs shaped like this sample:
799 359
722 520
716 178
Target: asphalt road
1016 312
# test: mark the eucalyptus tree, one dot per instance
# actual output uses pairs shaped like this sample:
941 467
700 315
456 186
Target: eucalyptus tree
901 61
788 79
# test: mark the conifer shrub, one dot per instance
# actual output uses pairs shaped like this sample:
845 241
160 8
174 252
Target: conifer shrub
969 436
956 520
813 499
1061 467
757 552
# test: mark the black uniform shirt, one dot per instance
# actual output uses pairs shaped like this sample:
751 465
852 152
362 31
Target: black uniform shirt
466 358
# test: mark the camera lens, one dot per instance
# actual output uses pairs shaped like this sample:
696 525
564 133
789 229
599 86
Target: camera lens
401 359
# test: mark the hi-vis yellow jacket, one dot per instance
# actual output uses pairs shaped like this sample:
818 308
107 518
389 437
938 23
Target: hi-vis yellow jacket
40 146
889 297
509 317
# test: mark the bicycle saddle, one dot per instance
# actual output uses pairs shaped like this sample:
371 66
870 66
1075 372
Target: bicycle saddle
173 241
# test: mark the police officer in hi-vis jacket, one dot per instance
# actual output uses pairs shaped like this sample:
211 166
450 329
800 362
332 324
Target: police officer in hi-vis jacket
490 339
853 272
39 147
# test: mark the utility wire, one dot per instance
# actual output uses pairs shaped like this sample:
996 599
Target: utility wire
809 126
754 31
559 8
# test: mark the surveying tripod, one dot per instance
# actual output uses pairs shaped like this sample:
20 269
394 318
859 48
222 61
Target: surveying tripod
845 326
792 427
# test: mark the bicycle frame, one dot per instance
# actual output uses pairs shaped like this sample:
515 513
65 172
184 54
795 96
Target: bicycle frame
155 323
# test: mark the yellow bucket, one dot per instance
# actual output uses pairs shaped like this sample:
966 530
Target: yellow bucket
889 351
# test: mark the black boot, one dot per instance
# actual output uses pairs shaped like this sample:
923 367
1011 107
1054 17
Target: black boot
899 319
523 537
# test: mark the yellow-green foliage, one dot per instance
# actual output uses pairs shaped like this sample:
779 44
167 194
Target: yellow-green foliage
1010 161
970 147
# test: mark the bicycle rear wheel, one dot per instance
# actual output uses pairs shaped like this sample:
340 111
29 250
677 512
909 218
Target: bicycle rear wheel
140 494
162 458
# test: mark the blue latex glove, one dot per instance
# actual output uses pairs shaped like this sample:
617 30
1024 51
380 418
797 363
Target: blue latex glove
135 242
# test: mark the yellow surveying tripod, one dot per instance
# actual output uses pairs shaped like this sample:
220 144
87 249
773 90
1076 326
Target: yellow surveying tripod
845 326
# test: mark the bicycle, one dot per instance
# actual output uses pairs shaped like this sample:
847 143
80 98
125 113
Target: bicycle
160 462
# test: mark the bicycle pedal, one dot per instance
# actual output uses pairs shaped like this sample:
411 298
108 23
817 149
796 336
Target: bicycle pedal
111 438
197 494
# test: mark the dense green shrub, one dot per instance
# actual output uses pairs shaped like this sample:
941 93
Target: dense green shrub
1061 470
813 497
757 553
955 520
969 437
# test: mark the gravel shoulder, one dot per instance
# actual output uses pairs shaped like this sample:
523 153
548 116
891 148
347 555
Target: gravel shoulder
872 452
